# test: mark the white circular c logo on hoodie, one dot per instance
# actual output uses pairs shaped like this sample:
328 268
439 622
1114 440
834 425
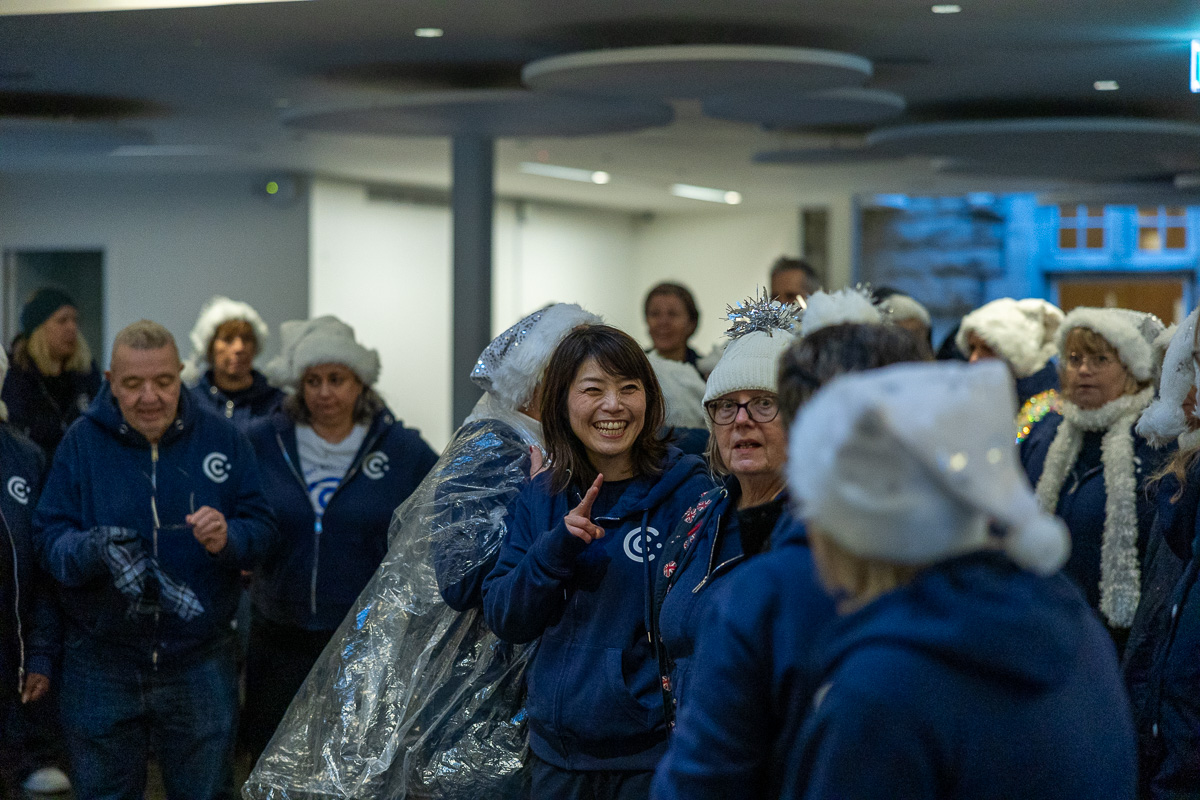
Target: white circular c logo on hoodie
18 489
633 544
216 467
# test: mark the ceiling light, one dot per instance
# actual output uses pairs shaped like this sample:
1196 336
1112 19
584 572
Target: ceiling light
566 173
948 8
1105 86
706 194
429 33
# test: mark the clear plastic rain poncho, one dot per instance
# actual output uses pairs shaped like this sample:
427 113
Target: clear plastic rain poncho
412 698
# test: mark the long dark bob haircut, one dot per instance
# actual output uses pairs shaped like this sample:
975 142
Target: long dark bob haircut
617 354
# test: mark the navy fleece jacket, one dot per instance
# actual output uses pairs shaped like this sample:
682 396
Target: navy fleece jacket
30 625
107 474
978 681
752 678
243 408
594 698
321 567
1081 502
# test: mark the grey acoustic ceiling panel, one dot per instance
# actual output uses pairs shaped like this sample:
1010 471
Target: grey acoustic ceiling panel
696 71
1085 148
840 107
494 113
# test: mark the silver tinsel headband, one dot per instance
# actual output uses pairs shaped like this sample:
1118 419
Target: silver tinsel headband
761 313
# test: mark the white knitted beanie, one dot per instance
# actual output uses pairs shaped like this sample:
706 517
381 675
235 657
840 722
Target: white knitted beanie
1022 332
1131 333
749 362
909 463
762 329
215 313
324 340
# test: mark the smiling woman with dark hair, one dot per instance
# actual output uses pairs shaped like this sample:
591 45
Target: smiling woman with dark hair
576 568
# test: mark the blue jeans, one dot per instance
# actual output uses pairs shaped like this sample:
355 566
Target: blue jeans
115 714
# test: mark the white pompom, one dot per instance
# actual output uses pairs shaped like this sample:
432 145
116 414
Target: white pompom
1040 545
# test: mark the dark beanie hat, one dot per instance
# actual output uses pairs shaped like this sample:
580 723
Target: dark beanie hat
42 306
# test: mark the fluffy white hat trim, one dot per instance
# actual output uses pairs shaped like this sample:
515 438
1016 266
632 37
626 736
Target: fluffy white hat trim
215 313
1022 332
900 306
1164 420
683 391
516 377
844 306
323 340
1131 333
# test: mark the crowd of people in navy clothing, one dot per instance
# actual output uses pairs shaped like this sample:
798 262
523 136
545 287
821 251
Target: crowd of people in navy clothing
817 563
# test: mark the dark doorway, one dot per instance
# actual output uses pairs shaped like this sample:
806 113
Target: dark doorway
79 273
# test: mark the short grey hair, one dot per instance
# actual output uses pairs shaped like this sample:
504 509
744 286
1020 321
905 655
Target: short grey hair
145 335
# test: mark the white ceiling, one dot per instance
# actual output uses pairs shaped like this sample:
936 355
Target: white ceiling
214 87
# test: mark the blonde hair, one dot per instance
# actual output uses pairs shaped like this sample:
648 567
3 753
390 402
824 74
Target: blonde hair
858 579
38 350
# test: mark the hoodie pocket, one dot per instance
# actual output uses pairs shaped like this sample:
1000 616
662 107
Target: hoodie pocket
594 699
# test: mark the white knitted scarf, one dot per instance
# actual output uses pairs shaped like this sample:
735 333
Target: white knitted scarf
1120 574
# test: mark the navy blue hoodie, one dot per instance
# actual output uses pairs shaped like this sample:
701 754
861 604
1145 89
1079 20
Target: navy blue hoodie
977 680
1043 380
752 678
322 566
1082 499
594 698
1167 696
30 627
106 474
243 408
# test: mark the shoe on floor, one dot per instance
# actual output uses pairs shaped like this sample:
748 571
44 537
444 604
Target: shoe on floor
47 780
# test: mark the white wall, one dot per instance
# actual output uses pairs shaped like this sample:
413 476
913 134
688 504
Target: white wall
545 254
384 268
169 242
722 256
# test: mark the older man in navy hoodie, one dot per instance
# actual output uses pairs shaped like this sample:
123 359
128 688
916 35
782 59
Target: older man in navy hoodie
151 509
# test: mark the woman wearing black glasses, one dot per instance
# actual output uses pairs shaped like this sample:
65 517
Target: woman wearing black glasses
748 448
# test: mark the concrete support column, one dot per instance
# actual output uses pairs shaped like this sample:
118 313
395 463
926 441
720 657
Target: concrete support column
472 199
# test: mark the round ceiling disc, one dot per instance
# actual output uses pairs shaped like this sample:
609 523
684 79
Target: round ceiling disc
814 109
1087 148
495 113
697 71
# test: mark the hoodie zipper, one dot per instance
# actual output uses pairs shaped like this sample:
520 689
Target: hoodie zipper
154 508
317 522
12 543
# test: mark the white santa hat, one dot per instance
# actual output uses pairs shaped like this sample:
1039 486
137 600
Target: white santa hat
510 367
1164 421
324 340
215 313
1022 332
909 463
1131 333
897 307
845 306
